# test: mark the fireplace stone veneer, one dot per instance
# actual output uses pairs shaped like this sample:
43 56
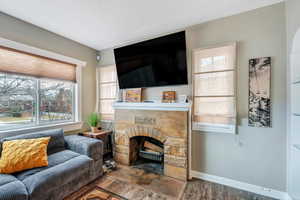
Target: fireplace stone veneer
168 127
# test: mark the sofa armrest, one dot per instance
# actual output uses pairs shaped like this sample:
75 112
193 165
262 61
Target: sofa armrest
92 148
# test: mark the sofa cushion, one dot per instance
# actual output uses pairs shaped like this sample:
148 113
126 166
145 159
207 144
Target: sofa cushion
90 147
5 178
57 141
11 188
19 155
40 184
53 160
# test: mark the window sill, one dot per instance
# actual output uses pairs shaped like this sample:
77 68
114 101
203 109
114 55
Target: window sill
213 128
107 120
67 126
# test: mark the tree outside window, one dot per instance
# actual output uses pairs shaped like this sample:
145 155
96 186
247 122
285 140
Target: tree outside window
27 101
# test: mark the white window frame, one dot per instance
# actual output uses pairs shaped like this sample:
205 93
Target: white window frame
67 126
98 109
215 128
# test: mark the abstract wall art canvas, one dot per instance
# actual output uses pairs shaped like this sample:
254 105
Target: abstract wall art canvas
259 114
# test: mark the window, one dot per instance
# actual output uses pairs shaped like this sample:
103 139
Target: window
17 101
214 107
107 79
35 90
27 101
56 101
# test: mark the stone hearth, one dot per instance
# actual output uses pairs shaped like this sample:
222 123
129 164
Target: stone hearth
168 127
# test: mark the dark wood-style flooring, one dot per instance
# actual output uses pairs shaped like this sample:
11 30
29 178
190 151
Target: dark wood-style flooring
203 190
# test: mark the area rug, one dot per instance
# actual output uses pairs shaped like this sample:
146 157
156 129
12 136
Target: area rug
138 184
93 192
128 183
97 193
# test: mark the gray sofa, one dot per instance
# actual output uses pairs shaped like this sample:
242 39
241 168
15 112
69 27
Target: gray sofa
74 161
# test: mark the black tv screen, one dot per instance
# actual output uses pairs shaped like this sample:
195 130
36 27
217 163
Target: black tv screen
156 62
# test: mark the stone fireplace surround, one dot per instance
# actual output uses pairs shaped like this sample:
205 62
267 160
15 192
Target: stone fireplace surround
170 127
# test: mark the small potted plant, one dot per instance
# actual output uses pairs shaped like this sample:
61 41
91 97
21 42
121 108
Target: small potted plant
93 121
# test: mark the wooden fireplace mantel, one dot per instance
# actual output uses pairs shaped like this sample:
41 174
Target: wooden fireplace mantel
153 106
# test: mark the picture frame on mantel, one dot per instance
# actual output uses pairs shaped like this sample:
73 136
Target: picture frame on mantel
169 97
133 95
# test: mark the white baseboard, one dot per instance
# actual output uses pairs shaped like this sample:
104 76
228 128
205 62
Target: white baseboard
242 186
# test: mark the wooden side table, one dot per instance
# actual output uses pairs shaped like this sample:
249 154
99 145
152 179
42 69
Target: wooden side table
106 137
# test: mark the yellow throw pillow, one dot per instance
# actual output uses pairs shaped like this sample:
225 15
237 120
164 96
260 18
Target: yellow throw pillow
19 155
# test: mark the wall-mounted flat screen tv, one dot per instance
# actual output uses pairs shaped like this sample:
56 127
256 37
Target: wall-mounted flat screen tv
152 63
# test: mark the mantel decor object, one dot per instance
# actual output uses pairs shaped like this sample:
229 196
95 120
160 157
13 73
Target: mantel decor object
169 97
133 95
183 99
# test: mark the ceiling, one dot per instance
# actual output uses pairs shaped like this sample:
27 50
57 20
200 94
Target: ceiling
103 24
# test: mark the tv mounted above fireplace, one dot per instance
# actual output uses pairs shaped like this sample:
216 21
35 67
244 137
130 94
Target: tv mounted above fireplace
152 63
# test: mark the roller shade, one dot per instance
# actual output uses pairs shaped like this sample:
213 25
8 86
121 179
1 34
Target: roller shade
18 62
214 95
107 88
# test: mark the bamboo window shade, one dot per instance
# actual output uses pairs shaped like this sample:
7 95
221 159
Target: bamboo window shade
23 63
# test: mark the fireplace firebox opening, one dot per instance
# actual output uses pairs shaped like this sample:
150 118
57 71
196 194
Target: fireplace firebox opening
147 153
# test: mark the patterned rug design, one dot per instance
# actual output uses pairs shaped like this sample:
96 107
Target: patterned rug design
100 194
